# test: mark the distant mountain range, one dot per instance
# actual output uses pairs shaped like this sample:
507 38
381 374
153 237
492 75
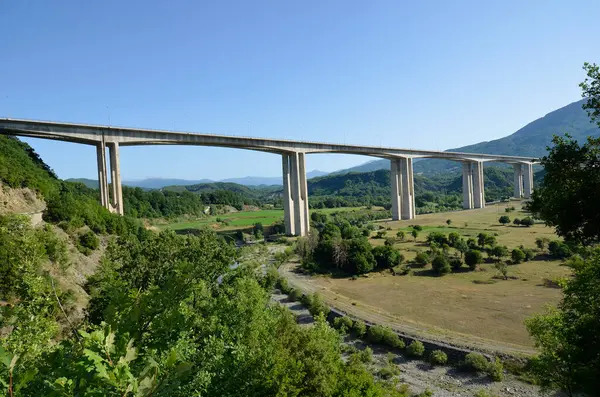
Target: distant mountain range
159 183
530 141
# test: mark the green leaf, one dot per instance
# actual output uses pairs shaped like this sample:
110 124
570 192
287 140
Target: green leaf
5 357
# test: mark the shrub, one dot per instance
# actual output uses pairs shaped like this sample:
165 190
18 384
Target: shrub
347 322
422 259
473 258
528 221
392 339
417 227
440 265
270 278
381 234
559 249
389 371
366 355
529 254
415 349
283 285
476 362
495 370
318 306
503 269
89 240
425 393
401 235
437 237
504 219
517 222
517 255
448 222
438 357
456 263
359 328
294 294
499 251
389 241
375 333
541 243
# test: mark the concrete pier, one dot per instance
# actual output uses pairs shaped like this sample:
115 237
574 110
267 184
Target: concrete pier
467 185
478 185
518 189
527 180
288 201
396 185
408 188
102 175
115 169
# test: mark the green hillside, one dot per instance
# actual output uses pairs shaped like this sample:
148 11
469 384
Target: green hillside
531 140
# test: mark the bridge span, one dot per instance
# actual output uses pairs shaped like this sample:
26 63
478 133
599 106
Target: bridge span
293 155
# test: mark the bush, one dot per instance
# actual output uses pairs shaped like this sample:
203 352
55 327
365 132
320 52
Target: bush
559 249
517 222
517 255
440 265
375 333
89 240
389 371
401 235
317 306
528 221
359 328
415 349
294 294
392 339
417 227
504 219
366 355
529 254
438 357
283 285
473 258
495 370
269 280
541 242
421 259
456 263
425 393
476 362
437 237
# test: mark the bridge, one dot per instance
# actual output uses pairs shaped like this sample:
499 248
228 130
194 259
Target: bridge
293 155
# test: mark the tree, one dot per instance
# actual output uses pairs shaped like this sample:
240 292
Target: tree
441 265
527 221
415 234
504 219
517 255
481 239
401 235
473 258
387 257
590 88
542 242
568 336
568 195
517 222
448 222
453 239
499 251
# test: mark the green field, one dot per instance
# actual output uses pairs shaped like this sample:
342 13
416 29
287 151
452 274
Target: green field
239 220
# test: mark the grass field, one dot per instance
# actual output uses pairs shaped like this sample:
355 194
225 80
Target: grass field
469 304
239 220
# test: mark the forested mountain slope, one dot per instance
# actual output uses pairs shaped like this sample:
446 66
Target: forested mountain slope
529 141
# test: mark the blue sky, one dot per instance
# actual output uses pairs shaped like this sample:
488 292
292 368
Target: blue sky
422 74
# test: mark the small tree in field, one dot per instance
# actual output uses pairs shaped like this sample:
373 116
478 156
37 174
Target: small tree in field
504 219
441 265
517 255
517 222
401 235
415 234
473 258
448 222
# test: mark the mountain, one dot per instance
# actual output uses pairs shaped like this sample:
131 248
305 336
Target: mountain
529 141
159 183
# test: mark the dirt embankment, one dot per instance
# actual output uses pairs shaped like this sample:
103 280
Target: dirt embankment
20 200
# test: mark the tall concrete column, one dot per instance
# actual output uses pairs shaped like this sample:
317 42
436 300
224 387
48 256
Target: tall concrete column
518 180
467 185
478 189
396 183
288 204
115 169
299 222
528 180
304 191
102 177
408 188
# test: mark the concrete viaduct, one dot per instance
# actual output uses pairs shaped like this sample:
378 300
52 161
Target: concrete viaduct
293 154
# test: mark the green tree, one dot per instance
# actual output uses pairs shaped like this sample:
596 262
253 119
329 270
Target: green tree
415 234
441 265
568 336
553 201
517 255
504 219
473 258
401 235
590 88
